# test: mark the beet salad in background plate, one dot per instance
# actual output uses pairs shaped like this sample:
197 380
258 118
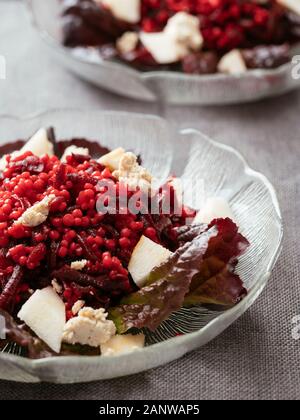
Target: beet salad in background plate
190 36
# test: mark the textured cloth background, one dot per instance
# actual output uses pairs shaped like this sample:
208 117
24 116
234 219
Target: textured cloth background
254 359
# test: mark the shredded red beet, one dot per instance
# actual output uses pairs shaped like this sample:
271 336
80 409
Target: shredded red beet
9 290
73 231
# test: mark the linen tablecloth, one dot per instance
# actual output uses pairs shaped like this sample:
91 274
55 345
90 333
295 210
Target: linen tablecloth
256 358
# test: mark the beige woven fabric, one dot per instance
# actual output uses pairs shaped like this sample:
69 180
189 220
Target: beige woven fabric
257 357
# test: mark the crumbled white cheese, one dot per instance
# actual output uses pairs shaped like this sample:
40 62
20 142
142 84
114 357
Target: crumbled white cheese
112 159
293 5
132 174
84 151
180 36
185 28
79 265
120 344
56 286
127 10
77 306
36 214
232 63
91 327
127 42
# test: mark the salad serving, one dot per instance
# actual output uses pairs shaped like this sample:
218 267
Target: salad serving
94 252
191 36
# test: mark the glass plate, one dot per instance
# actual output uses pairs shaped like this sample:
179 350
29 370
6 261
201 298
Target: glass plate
164 86
192 156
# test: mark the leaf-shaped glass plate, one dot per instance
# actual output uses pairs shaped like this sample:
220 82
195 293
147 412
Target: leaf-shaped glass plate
194 157
164 86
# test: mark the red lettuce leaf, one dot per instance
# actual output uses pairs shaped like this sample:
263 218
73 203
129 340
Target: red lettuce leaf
216 282
165 290
201 271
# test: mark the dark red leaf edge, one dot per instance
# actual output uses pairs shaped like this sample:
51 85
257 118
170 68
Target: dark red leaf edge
216 283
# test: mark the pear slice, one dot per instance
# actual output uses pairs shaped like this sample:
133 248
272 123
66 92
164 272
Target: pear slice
112 160
232 63
83 151
39 144
214 208
146 256
44 312
293 5
120 344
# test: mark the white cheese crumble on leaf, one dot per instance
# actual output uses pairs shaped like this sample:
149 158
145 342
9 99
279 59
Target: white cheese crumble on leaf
44 312
36 214
120 344
91 327
146 256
